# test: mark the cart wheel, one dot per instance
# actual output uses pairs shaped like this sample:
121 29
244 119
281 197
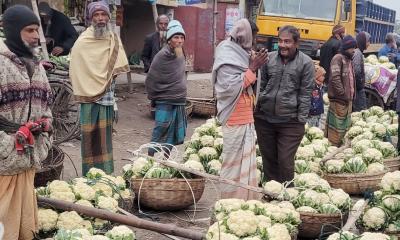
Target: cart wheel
65 112
373 98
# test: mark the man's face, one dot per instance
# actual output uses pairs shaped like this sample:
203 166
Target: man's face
177 41
163 24
30 35
100 18
286 44
350 52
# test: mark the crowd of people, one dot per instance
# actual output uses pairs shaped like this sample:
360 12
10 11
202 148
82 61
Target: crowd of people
260 96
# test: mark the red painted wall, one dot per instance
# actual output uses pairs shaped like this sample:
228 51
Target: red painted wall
198 25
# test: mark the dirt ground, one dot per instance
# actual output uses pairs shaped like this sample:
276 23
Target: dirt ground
134 128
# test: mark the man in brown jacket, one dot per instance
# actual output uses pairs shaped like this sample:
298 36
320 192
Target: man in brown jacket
341 92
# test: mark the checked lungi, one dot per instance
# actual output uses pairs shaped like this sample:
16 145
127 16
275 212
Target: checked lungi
338 121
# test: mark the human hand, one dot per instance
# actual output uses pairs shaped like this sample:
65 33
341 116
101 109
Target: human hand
258 59
23 139
57 51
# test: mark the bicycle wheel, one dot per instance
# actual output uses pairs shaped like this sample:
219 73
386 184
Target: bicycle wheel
65 111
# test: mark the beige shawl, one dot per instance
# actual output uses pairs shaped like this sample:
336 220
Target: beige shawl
94 63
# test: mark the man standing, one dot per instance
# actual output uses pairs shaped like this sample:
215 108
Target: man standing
96 59
234 79
25 121
154 41
360 99
330 48
166 87
58 30
390 49
341 91
283 106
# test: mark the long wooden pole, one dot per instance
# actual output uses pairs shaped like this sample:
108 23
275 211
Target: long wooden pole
132 221
41 34
155 13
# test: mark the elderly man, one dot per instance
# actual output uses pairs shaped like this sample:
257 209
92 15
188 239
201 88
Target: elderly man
234 78
283 106
58 30
154 41
341 89
96 58
25 121
166 88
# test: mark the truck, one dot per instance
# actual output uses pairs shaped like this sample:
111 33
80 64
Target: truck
315 20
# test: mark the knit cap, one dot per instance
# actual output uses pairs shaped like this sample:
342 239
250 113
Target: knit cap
98 6
174 27
337 29
348 42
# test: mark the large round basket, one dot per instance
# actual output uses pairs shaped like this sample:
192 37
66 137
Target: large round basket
355 183
52 167
203 107
392 164
188 108
312 223
168 194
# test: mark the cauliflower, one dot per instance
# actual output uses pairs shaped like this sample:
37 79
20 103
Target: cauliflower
121 232
378 130
84 203
208 153
355 165
125 194
331 149
314 133
214 231
218 142
301 166
252 238
343 235
391 202
273 187
107 203
63 234
59 186
354 131
140 165
259 162
304 141
360 123
286 204
194 157
95 173
391 181
258 176
85 233
333 166
194 165
387 149
242 223
64 196
99 237
207 141
374 236
228 205
319 149
306 209
325 98
310 198
47 219
375 168
305 153
372 155
103 188
214 167
311 180
290 194
340 198
392 129
69 221
278 232
100 223
264 222
361 145
374 218
328 208
83 191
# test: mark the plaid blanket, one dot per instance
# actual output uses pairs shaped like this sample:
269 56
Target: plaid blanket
338 121
96 144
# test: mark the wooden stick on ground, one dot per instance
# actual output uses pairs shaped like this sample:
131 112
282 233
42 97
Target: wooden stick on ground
329 156
132 221
354 216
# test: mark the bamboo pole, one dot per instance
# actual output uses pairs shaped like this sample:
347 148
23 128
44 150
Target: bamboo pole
41 34
155 13
132 221
354 217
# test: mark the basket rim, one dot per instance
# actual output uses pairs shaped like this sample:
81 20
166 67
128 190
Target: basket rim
309 214
169 179
358 175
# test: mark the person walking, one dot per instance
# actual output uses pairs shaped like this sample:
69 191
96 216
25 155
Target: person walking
341 90
234 78
25 121
317 102
155 41
166 87
283 106
96 59
360 100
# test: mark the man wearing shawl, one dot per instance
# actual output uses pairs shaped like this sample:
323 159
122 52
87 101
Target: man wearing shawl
360 100
234 80
166 88
96 58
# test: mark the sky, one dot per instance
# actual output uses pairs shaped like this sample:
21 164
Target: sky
392 4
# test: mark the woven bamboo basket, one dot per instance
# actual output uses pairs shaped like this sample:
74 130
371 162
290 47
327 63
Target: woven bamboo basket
188 108
204 107
355 183
392 164
312 223
168 194
52 167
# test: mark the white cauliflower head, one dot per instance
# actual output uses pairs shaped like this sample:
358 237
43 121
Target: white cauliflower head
107 203
228 205
121 232
83 191
273 187
47 219
374 218
84 203
59 186
278 232
242 223
95 173
375 168
69 221
374 236
64 196
391 181
194 165
207 141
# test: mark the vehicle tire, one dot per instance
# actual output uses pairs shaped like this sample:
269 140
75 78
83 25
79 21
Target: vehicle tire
373 98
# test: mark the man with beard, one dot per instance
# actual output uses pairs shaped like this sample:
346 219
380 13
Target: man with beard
341 91
166 88
330 48
283 105
25 121
154 41
96 59
58 30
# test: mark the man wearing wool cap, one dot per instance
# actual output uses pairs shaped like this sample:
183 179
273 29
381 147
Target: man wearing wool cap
341 92
166 87
96 59
25 121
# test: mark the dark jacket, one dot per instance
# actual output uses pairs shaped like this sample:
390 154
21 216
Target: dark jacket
317 102
339 89
61 30
286 89
398 92
150 49
328 50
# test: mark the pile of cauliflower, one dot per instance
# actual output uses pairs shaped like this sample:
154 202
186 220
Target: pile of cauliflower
382 211
345 235
97 190
116 233
313 147
252 220
382 61
310 194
